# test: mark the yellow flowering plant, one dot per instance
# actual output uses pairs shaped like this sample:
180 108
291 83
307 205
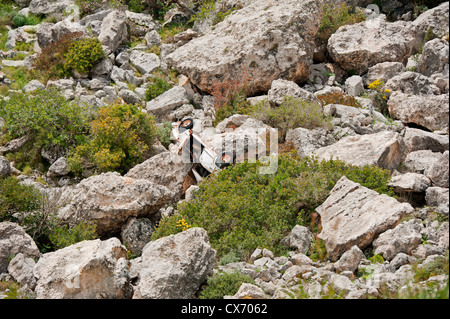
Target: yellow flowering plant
381 95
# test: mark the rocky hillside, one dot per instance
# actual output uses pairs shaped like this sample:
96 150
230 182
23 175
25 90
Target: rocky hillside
337 114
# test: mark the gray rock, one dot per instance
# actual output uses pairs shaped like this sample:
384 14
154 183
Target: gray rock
21 268
280 89
114 31
354 85
130 97
59 168
402 239
168 101
144 62
355 215
164 169
436 18
416 140
434 57
439 171
32 86
249 291
384 149
5 167
430 111
49 7
175 266
413 83
91 269
349 260
384 71
437 196
110 199
136 233
307 141
420 162
410 183
14 240
360 46
299 239
152 38
259 39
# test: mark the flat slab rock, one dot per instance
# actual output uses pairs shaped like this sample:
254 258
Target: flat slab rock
355 215
383 149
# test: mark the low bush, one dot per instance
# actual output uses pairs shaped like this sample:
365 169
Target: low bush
242 210
230 98
82 54
292 113
16 198
157 87
63 236
224 284
336 15
380 96
46 118
120 137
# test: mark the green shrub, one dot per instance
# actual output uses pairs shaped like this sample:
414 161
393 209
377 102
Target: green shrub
47 118
336 15
64 236
136 5
19 20
120 137
50 63
292 113
224 284
376 259
164 133
82 54
242 210
15 198
157 87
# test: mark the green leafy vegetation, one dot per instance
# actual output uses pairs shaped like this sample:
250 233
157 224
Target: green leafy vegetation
242 210
292 113
63 236
15 198
82 54
46 118
120 137
224 284
336 15
157 87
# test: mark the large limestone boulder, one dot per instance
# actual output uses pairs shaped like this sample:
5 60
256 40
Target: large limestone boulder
436 18
175 266
114 30
355 215
413 83
92 269
431 111
384 149
439 171
416 140
165 169
14 240
280 89
306 142
434 57
362 45
263 41
50 7
402 239
109 200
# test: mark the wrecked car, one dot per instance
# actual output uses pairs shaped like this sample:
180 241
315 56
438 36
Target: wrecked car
205 161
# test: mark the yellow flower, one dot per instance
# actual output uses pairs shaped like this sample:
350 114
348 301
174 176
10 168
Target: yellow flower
384 97
387 91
